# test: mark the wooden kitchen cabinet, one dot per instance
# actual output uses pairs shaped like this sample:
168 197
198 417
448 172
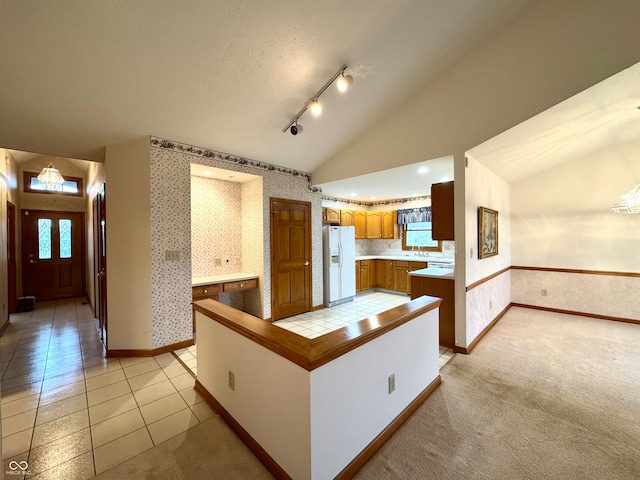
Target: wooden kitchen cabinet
330 216
401 276
362 275
373 225
386 279
360 222
388 221
417 266
442 217
347 218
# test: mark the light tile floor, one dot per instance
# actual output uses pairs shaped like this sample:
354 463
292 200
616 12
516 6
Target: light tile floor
315 324
71 413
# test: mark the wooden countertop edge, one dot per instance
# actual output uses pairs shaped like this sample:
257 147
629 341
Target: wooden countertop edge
313 353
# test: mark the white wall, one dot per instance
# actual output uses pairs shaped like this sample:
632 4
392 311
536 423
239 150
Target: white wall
314 423
562 219
127 171
271 399
483 188
350 401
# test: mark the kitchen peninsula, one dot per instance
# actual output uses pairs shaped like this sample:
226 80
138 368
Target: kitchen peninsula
317 408
438 282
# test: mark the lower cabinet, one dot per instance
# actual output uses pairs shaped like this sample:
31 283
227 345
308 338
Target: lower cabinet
401 276
363 277
387 274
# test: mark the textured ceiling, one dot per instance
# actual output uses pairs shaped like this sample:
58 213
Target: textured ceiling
228 76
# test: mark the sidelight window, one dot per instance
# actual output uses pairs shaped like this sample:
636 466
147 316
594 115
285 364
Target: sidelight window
44 238
64 227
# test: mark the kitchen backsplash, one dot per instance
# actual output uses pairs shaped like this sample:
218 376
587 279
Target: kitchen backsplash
394 247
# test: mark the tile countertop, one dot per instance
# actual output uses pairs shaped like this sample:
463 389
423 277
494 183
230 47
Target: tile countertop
433 273
212 280
411 258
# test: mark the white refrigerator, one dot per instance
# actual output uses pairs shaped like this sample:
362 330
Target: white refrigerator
339 245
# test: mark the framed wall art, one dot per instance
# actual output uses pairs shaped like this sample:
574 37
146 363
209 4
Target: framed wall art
487 232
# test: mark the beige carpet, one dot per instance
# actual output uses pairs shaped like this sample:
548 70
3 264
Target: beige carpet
543 396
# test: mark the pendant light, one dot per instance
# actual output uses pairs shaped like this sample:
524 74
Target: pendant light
50 177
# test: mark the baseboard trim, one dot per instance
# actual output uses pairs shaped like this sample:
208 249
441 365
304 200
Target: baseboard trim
266 459
317 307
151 352
363 457
4 327
580 314
472 345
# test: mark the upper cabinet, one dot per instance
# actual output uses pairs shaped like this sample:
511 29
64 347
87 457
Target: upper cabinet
374 225
389 226
347 218
330 216
360 222
379 224
442 211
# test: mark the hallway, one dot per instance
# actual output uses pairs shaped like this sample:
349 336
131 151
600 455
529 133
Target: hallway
71 413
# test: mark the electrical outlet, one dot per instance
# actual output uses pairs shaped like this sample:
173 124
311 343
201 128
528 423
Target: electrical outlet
392 383
172 255
543 292
217 262
471 253
490 304
232 380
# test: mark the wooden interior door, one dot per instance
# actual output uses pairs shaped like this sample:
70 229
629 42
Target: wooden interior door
100 258
11 258
52 254
290 258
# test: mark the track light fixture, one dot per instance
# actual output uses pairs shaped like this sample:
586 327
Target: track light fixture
343 83
314 105
295 129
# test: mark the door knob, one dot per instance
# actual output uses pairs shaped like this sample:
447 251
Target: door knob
306 263
33 261
101 274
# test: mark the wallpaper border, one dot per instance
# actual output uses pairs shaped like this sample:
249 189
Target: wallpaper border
165 144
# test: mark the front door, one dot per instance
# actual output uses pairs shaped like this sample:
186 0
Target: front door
52 254
290 258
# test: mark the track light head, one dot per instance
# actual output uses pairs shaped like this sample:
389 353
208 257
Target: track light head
315 107
343 82
295 129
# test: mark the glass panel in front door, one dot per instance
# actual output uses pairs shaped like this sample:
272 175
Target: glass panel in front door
64 226
44 238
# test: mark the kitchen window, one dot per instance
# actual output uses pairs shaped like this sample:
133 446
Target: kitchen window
416 236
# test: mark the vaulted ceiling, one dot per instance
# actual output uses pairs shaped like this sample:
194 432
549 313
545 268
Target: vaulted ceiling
225 75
